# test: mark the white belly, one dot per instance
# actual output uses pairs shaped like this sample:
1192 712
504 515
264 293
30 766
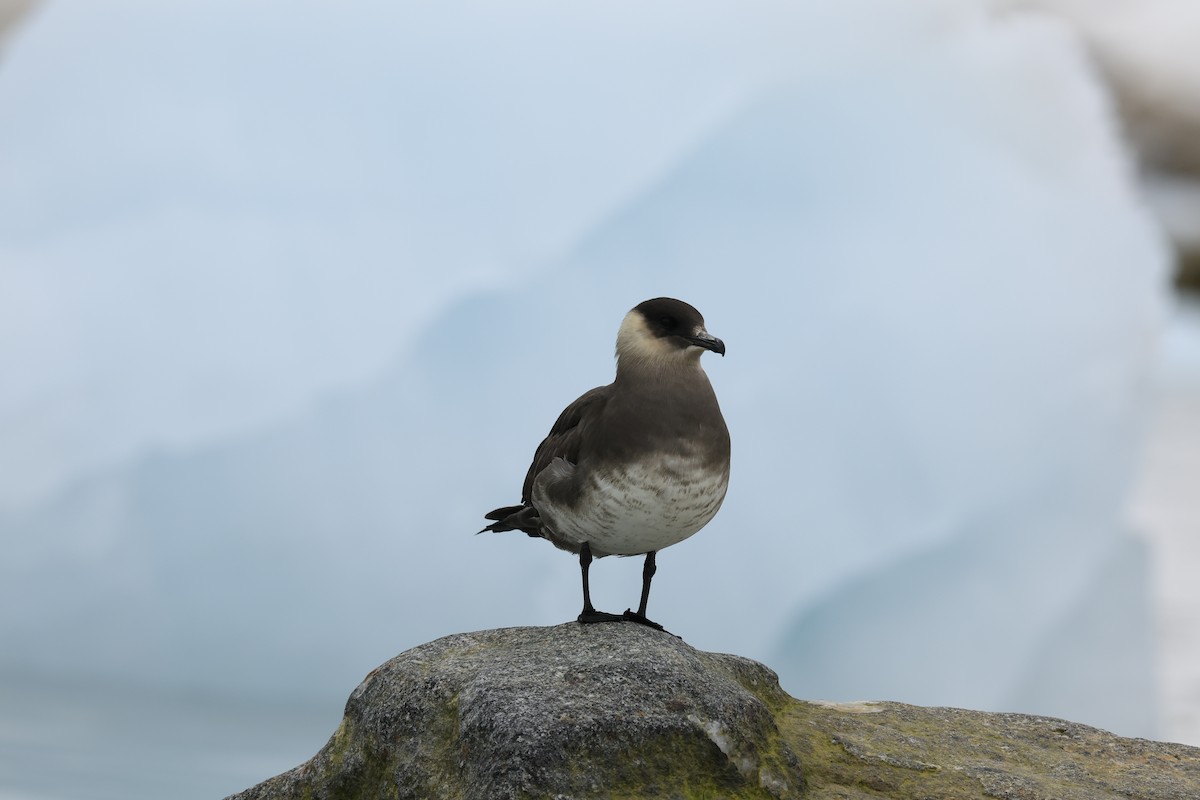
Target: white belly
640 509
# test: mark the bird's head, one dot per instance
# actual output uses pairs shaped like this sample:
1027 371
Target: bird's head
664 331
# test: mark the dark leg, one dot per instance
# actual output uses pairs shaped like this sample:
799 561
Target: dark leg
648 570
590 614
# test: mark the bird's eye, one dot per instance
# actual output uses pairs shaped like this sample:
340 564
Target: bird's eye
667 322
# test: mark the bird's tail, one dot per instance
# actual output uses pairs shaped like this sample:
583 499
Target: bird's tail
514 518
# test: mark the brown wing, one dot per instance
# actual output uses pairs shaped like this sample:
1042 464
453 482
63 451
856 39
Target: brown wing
563 439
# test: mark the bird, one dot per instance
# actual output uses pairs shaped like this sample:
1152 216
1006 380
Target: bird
635 466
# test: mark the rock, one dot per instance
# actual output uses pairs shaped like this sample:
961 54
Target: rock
566 711
619 710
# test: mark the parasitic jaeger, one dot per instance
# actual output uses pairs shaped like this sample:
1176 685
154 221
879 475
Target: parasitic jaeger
637 465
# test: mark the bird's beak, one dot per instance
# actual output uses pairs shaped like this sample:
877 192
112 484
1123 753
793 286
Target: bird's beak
708 342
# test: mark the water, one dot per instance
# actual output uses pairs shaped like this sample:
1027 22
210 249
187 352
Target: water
61 741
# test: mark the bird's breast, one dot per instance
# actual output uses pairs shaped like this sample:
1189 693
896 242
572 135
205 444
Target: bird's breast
644 505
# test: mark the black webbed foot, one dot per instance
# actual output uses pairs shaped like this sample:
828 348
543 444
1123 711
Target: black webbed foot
632 616
588 616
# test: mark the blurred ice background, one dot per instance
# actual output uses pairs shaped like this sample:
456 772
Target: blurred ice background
290 291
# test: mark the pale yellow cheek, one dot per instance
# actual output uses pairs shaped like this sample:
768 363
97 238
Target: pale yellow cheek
636 342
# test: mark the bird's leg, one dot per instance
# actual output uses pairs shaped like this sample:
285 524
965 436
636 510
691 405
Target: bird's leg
590 614
648 570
